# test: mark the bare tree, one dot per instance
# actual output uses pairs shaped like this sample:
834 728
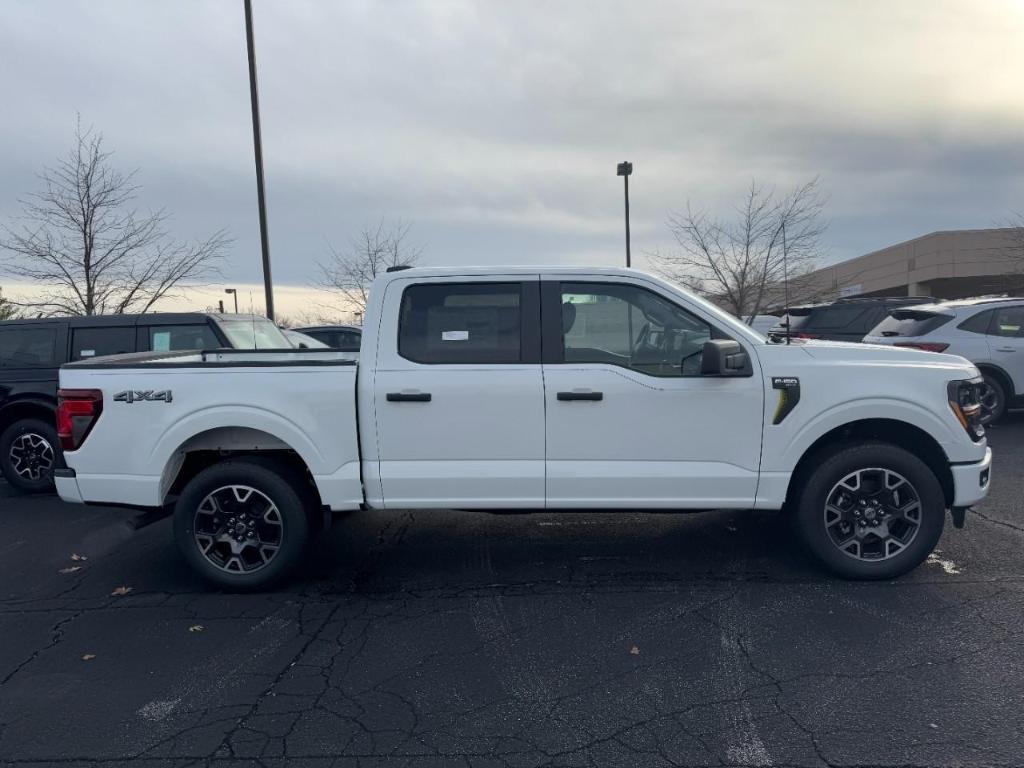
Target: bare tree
754 261
89 251
369 254
8 310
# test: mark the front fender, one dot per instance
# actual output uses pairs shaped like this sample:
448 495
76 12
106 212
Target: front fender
782 455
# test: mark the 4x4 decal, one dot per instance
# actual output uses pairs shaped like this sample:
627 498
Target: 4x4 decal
149 395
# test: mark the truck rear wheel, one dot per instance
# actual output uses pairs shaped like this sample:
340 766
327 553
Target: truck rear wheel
870 511
243 524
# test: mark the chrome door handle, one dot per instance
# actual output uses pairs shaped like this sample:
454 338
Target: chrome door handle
1005 349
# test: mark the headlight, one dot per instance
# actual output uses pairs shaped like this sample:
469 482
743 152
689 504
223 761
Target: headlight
965 400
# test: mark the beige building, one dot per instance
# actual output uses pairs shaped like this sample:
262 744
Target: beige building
946 265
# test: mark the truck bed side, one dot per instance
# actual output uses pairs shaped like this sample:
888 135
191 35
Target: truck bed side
271 401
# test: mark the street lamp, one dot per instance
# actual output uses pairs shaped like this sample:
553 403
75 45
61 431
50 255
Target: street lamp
233 292
624 170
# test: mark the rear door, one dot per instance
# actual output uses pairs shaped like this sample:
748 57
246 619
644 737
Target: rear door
630 420
458 393
1006 342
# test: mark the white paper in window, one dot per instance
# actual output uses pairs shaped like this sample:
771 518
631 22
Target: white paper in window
162 341
454 335
87 353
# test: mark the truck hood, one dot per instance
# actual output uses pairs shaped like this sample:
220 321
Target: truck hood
878 354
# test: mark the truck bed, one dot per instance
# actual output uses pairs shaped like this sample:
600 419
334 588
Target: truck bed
170 403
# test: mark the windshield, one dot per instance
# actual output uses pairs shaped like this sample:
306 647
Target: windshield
253 333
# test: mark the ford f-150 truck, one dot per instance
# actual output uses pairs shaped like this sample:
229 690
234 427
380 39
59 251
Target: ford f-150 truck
536 389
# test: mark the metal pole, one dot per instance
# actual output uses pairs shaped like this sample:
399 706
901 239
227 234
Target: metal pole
257 140
235 294
628 255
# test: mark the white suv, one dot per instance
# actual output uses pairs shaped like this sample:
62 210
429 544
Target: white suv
988 332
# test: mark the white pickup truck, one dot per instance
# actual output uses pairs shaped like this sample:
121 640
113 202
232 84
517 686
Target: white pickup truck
531 388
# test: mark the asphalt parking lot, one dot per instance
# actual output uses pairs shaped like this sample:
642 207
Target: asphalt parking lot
457 639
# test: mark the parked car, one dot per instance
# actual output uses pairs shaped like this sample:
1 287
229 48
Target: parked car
790 323
32 350
763 323
531 388
988 332
302 341
845 319
347 338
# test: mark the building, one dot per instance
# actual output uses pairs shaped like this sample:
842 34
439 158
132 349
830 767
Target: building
946 265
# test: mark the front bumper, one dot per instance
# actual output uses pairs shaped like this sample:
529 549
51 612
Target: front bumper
67 486
972 481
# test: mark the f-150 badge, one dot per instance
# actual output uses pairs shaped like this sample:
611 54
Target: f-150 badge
149 395
789 396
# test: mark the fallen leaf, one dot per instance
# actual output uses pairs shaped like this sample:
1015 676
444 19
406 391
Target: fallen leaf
196 628
70 569
78 558
89 657
932 725
120 591
635 651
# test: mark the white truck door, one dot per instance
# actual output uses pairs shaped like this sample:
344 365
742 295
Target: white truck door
630 420
458 393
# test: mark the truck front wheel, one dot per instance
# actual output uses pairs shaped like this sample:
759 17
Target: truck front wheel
870 511
242 524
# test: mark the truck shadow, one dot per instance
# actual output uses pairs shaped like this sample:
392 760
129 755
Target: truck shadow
449 550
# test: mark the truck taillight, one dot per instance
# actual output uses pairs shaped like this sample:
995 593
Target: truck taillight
77 412
927 346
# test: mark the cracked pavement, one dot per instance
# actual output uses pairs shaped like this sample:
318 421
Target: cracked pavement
442 638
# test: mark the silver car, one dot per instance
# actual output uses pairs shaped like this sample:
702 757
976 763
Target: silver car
988 332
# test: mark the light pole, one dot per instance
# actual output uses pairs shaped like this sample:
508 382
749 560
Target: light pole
233 292
257 142
624 170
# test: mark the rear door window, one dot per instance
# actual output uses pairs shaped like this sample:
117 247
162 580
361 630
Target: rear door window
979 323
1009 323
28 347
171 338
87 343
461 323
907 322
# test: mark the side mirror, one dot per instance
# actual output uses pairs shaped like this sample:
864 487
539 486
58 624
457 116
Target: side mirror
725 357
303 345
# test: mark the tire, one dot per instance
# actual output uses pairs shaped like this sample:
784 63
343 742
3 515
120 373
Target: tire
29 452
243 524
829 516
993 399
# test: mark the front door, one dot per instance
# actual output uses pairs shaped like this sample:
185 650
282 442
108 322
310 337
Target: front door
459 394
630 420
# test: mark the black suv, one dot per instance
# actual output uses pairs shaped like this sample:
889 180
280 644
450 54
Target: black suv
32 351
843 320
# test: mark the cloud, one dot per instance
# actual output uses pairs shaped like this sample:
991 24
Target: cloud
495 127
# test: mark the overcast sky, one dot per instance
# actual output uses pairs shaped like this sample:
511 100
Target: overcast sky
495 127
